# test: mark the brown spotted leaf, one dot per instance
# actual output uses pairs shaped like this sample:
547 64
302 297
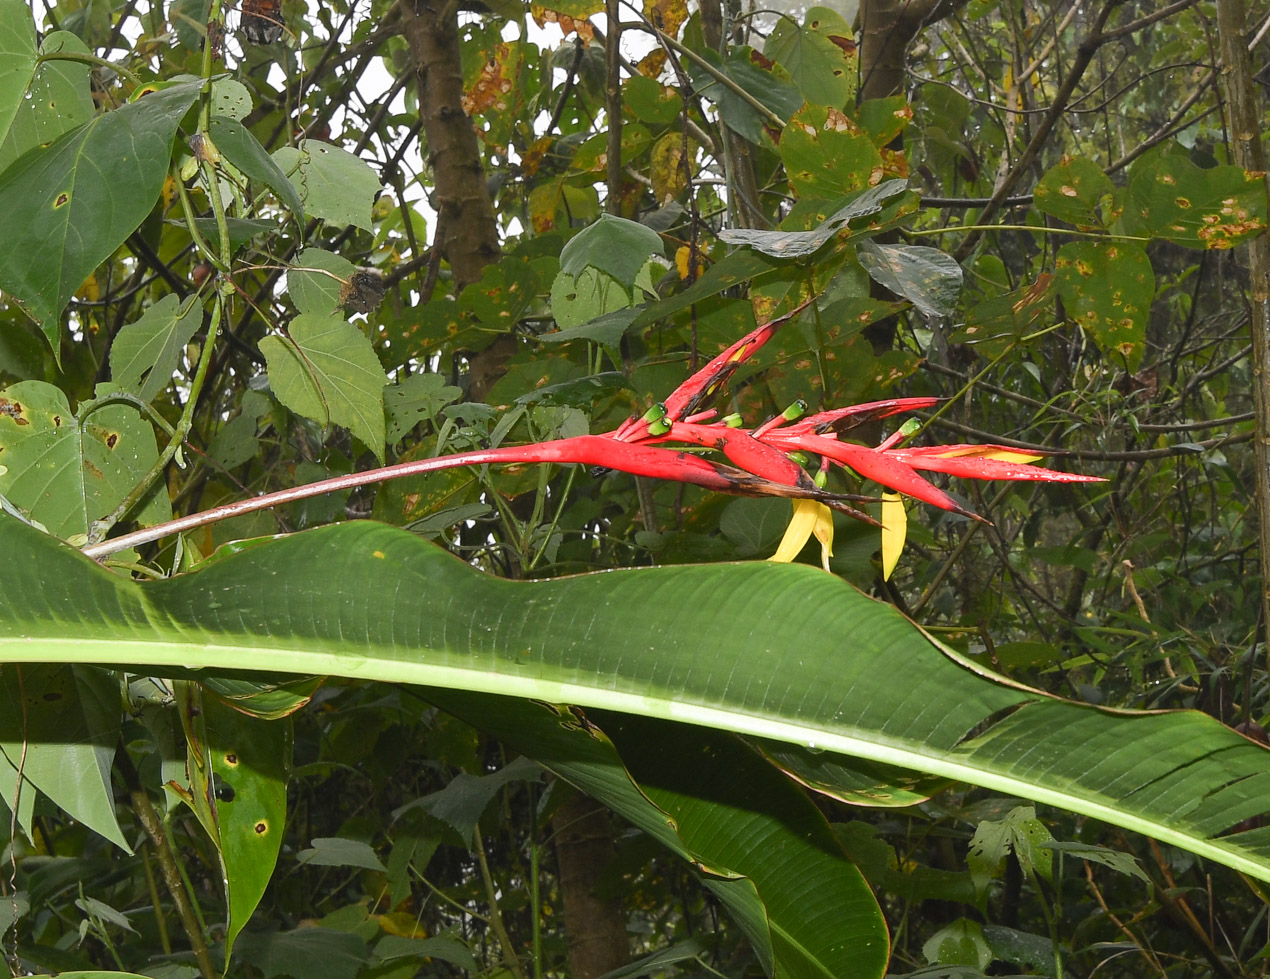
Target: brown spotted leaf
1107 288
70 204
1072 191
1170 197
65 473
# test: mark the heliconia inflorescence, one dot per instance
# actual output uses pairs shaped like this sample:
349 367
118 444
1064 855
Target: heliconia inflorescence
768 460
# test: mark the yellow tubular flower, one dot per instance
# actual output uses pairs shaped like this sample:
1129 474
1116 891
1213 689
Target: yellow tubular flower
894 530
809 518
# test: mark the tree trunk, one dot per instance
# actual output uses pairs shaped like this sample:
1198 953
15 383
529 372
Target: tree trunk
595 925
1243 121
467 234
887 28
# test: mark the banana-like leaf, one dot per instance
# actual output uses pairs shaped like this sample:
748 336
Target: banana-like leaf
781 652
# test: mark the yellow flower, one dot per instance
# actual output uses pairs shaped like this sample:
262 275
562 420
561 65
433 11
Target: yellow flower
894 530
809 518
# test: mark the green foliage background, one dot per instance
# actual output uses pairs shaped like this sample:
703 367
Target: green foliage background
232 268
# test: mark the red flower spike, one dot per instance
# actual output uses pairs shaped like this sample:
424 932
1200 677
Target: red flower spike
761 463
745 450
880 467
841 419
689 396
978 462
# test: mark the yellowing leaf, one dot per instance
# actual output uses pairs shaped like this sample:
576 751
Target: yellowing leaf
668 175
894 530
666 15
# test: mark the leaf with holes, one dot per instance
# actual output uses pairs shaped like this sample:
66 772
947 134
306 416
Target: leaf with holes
926 277
70 204
1073 191
65 473
250 762
145 354
326 369
819 54
333 184
1107 288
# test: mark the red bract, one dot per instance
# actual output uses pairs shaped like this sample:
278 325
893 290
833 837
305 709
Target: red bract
760 458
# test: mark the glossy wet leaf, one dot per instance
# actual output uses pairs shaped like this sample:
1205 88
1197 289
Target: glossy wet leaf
1107 288
66 474
1073 191
69 205
798 244
333 184
926 277
328 371
56 98
145 354
243 150
365 600
856 782
60 725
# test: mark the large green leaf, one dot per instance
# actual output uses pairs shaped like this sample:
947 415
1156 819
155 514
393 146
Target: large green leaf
819 55
756 841
59 726
783 652
333 184
68 205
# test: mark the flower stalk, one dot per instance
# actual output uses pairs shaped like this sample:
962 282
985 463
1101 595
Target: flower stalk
765 461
